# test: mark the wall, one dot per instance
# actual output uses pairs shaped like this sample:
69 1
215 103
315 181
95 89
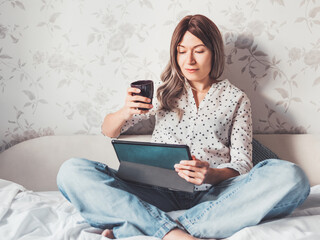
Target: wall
65 64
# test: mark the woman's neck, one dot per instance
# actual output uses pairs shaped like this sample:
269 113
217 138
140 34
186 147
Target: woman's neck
199 91
200 87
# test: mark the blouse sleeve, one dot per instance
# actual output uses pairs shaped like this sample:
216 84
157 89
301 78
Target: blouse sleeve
241 138
136 118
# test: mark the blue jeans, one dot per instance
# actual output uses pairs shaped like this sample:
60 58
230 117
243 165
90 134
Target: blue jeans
273 188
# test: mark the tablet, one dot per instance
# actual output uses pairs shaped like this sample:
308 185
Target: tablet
152 163
153 154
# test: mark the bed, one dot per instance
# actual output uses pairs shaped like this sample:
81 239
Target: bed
31 207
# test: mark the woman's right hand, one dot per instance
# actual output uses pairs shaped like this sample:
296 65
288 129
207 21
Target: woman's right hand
113 122
131 103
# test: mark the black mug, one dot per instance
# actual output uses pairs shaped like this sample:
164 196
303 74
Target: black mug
146 90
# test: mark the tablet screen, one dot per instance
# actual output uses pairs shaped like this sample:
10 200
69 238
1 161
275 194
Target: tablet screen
153 154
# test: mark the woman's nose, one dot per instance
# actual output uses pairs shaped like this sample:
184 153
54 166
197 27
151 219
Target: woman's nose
190 58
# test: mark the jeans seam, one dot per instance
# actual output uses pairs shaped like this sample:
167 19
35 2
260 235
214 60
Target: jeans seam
186 224
232 182
263 163
300 201
165 227
190 227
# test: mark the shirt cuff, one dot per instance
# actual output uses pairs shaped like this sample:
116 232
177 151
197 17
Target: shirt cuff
239 168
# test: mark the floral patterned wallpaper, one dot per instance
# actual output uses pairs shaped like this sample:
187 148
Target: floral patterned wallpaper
65 64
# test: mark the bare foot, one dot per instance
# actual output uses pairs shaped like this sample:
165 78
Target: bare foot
108 233
177 233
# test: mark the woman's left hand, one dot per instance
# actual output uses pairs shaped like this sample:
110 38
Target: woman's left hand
193 171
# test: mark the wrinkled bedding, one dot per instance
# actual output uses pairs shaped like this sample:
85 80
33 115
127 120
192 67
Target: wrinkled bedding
47 215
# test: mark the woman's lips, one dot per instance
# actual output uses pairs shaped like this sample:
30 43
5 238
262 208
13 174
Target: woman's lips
191 70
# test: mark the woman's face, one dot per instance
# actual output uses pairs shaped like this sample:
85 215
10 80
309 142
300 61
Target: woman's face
194 58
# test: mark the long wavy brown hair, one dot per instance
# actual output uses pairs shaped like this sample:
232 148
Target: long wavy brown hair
173 80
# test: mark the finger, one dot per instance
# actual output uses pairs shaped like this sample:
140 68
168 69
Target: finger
177 167
195 163
185 167
131 90
140 98
189 162
139 105
192 174
190 179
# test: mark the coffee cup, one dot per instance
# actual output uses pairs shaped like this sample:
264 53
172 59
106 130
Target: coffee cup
146 90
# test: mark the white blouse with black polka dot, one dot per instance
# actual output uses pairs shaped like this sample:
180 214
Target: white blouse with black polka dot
219 131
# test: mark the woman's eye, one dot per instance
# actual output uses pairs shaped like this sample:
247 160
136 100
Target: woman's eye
181 52
200 51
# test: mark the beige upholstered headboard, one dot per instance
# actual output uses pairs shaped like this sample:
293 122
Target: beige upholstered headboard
302 149
35 163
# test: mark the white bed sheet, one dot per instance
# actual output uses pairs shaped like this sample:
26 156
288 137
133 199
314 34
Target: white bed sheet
47 215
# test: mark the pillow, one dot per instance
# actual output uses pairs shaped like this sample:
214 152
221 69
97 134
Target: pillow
261 152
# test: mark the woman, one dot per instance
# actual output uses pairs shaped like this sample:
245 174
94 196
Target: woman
214 118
